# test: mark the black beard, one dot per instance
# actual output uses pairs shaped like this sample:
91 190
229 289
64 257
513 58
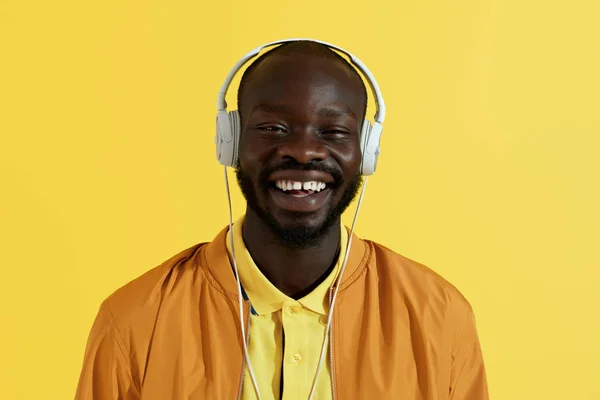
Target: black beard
299 237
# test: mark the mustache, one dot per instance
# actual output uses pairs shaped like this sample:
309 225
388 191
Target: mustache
293 165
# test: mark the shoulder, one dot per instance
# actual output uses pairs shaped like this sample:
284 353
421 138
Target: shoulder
122 331
416 281
143 295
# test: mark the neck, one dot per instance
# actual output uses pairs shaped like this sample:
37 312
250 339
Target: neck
294 271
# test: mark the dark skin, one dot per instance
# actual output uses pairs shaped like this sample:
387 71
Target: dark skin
309 109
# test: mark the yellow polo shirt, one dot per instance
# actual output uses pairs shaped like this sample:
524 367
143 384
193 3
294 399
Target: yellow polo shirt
303 322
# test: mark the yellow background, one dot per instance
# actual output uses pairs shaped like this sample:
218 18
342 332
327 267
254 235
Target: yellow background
489 170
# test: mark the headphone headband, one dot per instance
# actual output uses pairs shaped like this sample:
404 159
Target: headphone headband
380 112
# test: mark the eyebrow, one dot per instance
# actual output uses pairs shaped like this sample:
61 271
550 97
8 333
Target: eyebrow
335 112
273 108
284 109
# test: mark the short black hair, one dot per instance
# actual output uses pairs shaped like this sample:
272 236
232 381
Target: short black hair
305 47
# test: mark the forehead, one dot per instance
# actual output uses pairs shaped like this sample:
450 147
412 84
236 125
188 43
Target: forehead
303 80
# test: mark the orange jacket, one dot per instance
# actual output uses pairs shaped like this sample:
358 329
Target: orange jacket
399 331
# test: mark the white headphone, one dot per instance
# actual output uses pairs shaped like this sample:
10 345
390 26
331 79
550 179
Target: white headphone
228 122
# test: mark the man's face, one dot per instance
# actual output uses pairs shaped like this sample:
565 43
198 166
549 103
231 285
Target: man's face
299 147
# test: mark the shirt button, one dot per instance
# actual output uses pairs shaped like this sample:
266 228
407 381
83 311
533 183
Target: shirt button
294 310
323 319
297 358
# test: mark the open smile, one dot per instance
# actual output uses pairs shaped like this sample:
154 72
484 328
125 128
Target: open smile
298 196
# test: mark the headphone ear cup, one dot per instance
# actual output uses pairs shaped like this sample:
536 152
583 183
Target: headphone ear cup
364 137
371 149
227 137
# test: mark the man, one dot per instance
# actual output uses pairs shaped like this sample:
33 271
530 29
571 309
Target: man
398 330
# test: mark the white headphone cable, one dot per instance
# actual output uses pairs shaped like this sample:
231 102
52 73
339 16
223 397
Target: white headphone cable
239 287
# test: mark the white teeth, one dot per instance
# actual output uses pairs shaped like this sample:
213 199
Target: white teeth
297 185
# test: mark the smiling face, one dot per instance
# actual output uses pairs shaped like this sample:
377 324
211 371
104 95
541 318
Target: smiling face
299 160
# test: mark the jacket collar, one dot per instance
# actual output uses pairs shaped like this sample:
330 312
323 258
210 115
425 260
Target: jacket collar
216 262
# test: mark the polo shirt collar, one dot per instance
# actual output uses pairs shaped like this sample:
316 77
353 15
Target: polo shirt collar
263 295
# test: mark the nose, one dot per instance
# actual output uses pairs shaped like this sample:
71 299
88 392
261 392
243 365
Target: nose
303 147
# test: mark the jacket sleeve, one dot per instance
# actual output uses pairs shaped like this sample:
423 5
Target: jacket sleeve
467 377
106 372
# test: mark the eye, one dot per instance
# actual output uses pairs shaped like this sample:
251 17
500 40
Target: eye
271 128
336 133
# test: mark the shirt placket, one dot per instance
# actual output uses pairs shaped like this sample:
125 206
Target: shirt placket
295 355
